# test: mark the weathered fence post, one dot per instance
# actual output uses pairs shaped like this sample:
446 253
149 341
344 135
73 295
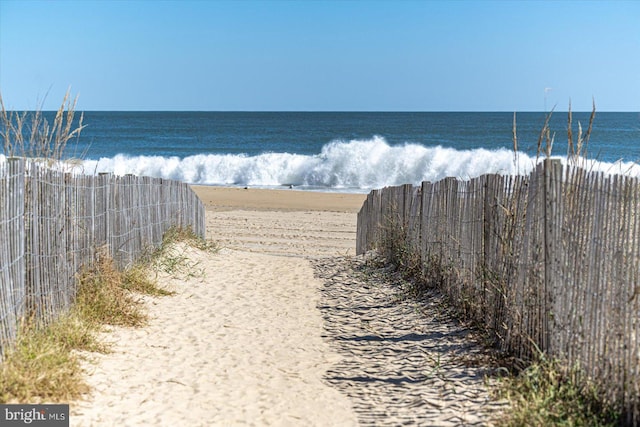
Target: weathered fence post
12 250
553 206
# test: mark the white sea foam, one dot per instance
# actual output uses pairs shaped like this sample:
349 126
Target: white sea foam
357 165
353 165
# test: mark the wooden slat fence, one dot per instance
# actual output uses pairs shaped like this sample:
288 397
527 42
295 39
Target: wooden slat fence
53 223
547 262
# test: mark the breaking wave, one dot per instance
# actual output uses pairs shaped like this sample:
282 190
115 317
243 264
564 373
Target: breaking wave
357 165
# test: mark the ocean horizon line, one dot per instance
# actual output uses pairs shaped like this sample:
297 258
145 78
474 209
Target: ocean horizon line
346 111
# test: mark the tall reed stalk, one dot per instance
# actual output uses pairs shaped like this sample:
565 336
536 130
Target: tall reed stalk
579 150
576 151
31 134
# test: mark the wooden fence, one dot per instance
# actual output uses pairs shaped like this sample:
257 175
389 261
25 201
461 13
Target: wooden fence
547 262
53 223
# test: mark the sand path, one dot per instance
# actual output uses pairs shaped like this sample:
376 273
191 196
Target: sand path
281 328
405 362
241 345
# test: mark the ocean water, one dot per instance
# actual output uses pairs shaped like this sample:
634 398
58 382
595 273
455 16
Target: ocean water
343 151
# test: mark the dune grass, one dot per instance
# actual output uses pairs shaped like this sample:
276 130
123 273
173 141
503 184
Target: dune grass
30 134
547 393
45 364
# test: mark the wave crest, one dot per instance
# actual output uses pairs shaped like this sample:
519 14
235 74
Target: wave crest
357 165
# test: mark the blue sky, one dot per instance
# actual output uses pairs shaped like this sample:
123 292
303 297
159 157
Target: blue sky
321 55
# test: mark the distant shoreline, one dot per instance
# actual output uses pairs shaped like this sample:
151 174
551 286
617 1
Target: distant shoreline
230 198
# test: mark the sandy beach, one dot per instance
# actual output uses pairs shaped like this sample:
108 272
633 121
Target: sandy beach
282 222
282 327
